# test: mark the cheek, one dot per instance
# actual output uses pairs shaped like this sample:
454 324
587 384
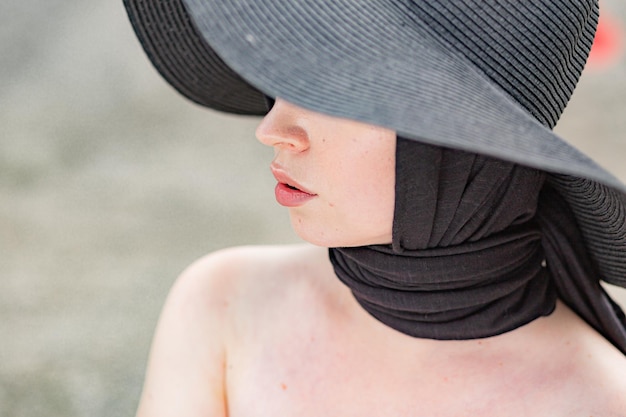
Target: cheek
368 198
378 197
357 191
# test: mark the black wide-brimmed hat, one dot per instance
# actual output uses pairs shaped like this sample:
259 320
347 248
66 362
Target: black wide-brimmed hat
485 76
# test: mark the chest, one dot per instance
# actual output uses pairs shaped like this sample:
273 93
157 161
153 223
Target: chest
326 374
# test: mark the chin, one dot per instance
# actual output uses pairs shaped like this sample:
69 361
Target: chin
333 236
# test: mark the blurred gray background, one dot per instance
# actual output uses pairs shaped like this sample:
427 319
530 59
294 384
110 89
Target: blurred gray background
111 184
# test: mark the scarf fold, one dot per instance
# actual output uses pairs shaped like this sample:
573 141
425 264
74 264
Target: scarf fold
480 247
466 259
575 275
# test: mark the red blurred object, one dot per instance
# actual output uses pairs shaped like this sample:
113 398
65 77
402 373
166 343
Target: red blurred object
608 43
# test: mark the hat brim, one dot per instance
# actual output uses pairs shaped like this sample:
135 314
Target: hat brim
187 62
228 55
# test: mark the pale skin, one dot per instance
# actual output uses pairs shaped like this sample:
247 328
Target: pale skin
270 331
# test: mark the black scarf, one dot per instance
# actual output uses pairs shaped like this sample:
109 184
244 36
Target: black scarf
469 252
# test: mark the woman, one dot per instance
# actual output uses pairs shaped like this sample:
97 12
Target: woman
466 240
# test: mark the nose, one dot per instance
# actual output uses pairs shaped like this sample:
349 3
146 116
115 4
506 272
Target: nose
282 128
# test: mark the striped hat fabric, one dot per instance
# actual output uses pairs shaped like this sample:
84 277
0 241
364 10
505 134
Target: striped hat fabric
484 76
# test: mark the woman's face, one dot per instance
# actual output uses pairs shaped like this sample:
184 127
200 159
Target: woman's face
335 175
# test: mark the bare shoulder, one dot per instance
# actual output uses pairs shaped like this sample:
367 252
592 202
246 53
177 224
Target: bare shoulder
595 369
211 303
603 373
241 272
185 370
259 280
603 379
226 278
239 258
241 261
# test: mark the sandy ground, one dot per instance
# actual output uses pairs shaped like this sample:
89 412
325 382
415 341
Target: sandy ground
111 184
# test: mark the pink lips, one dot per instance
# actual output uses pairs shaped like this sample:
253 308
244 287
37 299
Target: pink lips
288 192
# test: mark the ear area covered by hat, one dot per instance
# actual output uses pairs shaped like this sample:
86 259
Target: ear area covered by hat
484 76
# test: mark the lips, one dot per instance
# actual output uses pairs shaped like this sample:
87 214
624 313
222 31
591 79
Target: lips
288 192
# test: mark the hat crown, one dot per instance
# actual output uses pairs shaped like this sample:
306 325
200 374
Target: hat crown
534 50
